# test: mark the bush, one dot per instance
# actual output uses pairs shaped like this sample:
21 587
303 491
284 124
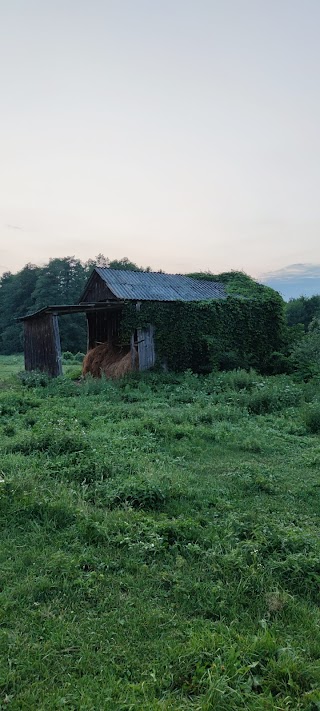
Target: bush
67 355
268 399
71 358
305 355
312 418
12 404
278 364
262 402
98 386
34 379
63 386
240 379
230 360
74 373
78 358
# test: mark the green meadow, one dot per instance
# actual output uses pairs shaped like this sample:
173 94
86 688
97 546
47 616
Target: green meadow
10 365
160 542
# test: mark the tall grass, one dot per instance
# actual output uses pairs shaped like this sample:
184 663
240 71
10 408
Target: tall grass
160 543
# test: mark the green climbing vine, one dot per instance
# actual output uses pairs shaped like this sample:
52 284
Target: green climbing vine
239 331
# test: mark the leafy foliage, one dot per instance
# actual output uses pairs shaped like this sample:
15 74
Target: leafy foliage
237 283
305 354
303 310
312 418
238 332
16 292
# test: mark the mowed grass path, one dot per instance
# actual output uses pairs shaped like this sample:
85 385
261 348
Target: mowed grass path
160 544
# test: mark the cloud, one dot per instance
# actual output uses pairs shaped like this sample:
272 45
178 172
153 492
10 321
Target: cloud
292 271
14 227
294 280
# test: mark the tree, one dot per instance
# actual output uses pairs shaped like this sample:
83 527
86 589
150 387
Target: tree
302 310
125 263
16 292
305 355
99 261
60 282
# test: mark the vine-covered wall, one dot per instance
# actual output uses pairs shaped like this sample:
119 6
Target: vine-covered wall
230 333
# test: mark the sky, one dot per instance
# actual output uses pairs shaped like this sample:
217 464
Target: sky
182 134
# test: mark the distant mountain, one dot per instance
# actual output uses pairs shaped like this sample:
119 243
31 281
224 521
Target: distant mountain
294 280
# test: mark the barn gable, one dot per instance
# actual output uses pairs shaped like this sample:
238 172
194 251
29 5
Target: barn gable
96 290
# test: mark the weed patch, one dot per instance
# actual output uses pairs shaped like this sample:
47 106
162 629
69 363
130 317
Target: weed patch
138 494
53 443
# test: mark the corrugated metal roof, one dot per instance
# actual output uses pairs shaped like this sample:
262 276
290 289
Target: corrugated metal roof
154 286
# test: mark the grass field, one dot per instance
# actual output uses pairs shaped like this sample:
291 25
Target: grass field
160 543
10 365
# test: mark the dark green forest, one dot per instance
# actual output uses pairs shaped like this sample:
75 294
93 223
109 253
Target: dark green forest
62 281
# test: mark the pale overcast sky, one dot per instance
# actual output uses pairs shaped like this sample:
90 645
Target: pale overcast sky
182 134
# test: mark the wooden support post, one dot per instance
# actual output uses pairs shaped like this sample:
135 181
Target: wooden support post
42 348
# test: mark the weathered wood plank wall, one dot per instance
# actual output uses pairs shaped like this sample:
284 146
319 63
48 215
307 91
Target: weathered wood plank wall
97 290
103 326
146 349
42 348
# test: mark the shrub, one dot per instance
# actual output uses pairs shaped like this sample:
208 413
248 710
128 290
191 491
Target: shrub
259 483
67 355
263 402
78 358
12 404
98 386
305 355
312 418
278 363
74 373
62 386
240 379
34 379
278 396
231 360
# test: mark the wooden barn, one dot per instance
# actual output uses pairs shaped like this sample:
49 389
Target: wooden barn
103 300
